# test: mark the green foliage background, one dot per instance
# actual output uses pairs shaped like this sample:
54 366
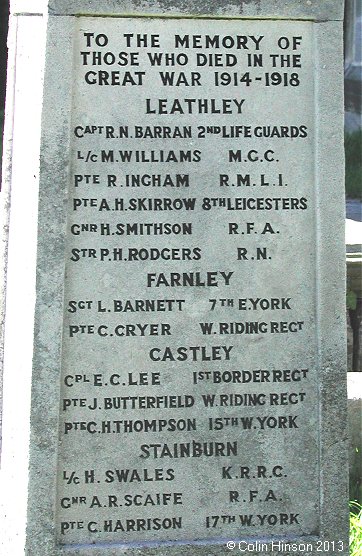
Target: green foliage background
353 151
355 529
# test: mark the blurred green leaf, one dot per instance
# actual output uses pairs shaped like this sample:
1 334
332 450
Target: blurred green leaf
351 300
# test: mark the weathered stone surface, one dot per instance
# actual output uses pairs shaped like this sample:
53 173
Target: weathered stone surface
19 192
307 9
124 263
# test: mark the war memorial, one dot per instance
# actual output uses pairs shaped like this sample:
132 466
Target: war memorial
174 339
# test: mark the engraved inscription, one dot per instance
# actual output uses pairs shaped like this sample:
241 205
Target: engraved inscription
189 402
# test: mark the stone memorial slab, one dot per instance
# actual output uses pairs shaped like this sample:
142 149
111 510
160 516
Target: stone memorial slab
188 382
